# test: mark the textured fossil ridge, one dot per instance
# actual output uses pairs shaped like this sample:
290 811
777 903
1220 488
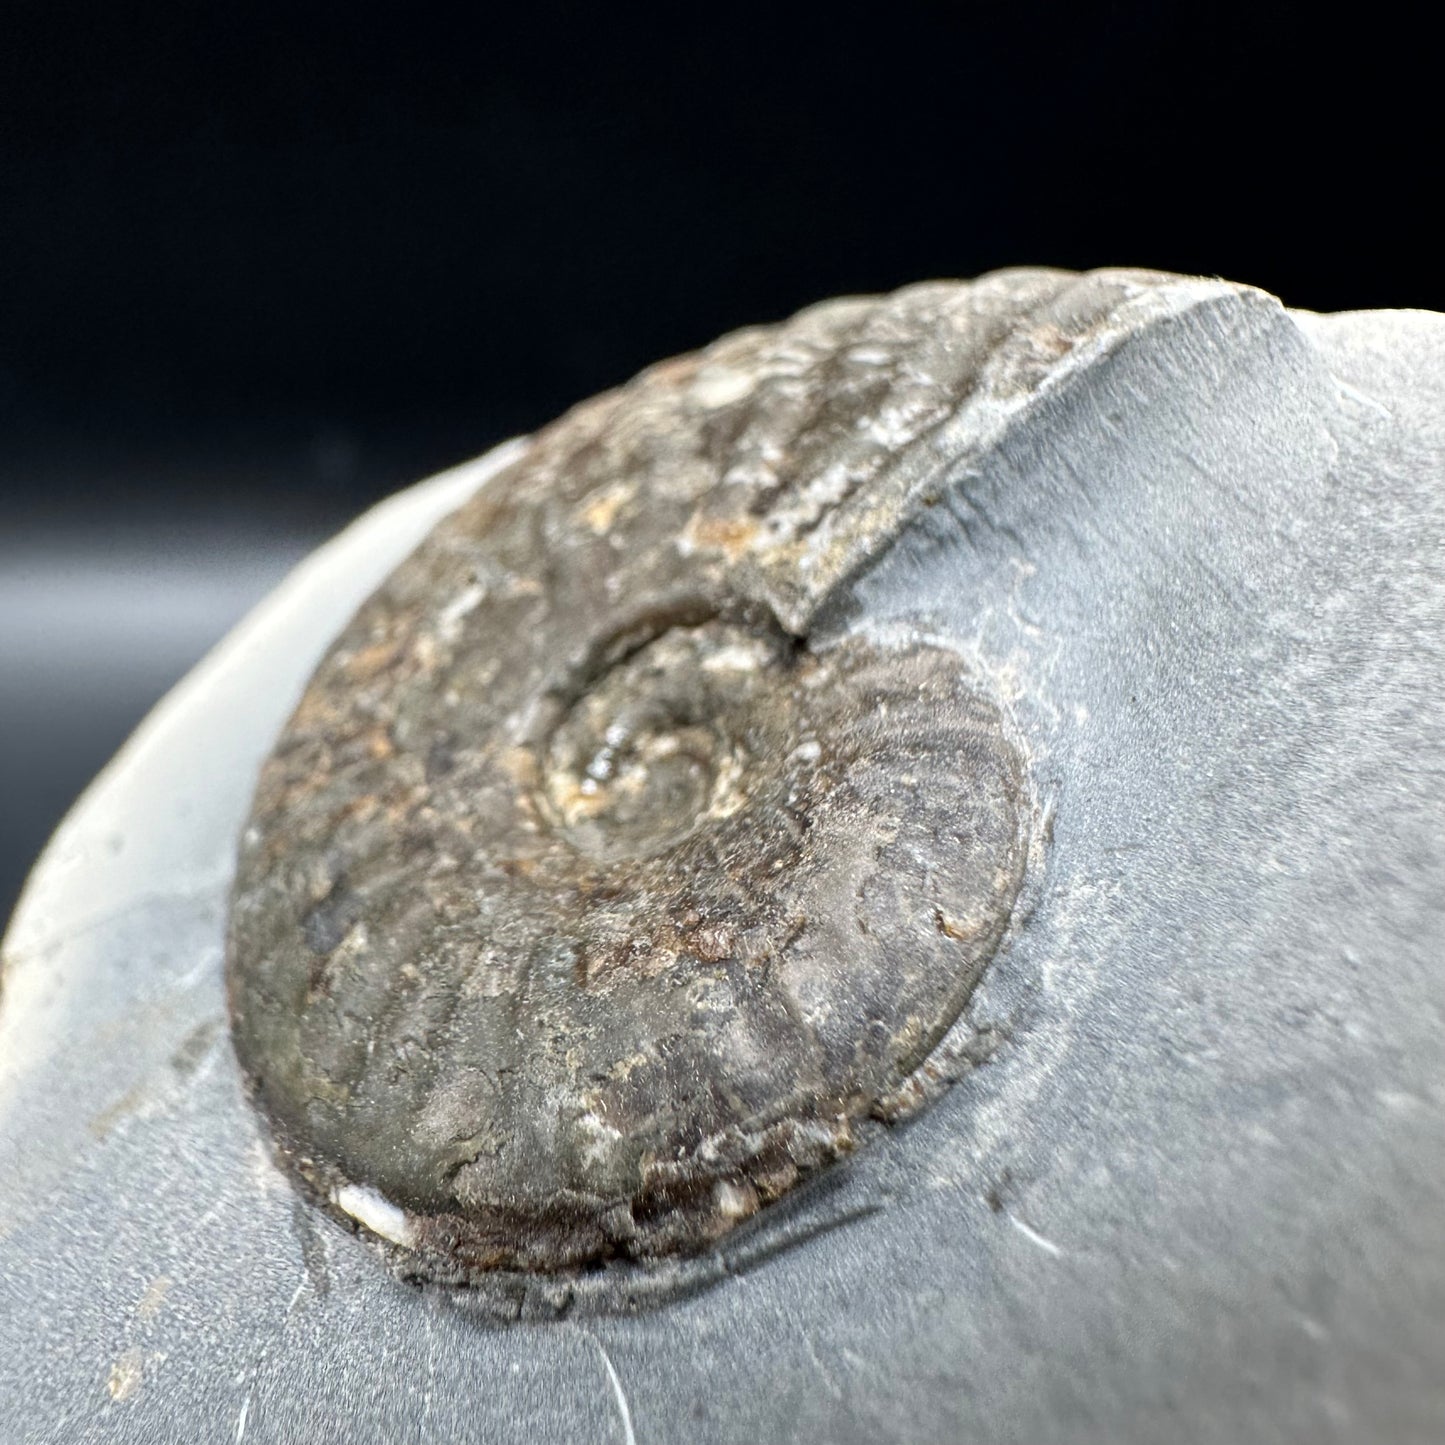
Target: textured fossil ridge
594 895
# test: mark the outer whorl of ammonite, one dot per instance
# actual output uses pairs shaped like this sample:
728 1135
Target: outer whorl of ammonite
591 898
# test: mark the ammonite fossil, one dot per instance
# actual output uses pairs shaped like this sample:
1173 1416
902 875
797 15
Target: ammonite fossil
605 880
634 848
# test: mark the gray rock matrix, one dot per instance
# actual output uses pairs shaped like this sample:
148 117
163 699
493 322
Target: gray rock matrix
1192 547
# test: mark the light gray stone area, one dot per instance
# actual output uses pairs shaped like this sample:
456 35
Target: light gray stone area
1198 1191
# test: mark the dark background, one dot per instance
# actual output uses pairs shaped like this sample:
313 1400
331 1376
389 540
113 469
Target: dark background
258 268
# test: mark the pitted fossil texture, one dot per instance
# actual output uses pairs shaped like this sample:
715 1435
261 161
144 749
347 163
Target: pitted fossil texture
588 901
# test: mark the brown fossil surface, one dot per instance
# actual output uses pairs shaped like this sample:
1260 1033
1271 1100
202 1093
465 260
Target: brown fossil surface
591 898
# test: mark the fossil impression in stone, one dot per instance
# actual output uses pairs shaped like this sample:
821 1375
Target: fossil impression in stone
607 877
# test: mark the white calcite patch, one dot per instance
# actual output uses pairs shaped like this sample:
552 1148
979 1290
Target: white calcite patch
376 1212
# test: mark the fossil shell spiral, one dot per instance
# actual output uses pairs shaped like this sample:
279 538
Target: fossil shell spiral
596 893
